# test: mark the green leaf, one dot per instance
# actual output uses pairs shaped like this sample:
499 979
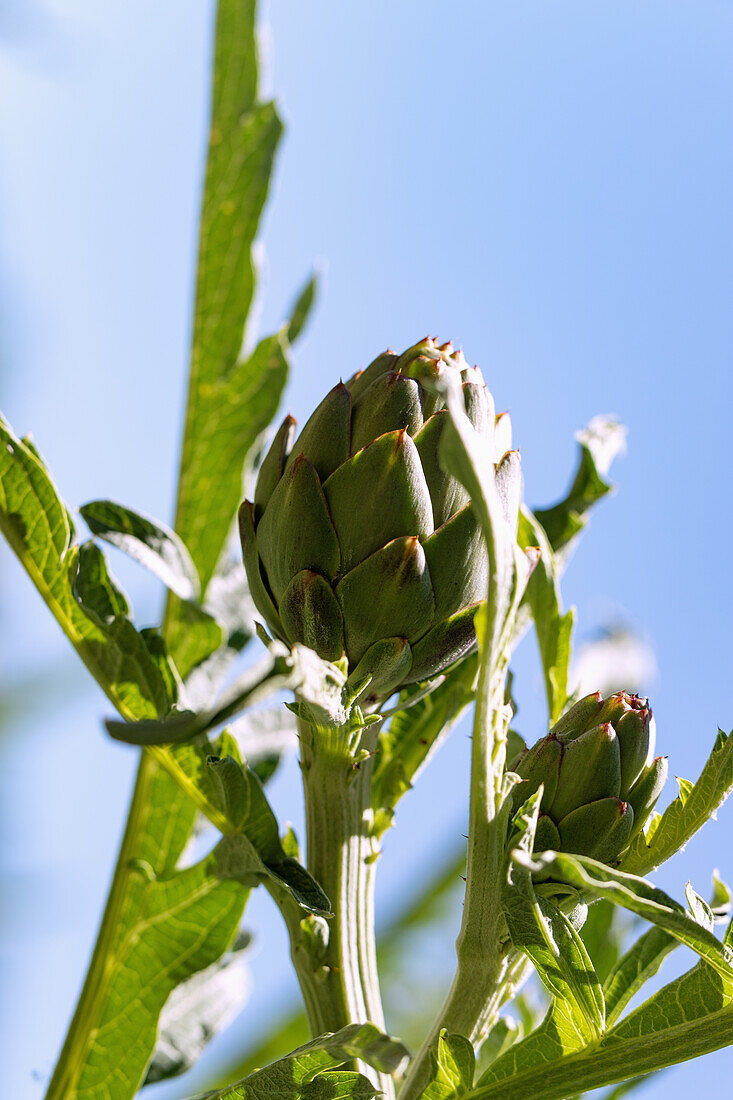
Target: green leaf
602 937
194 636
75 583
160 927
328 1085
638 896
231 401
600 442
147 541
553 628
546 936
238 858
231 795
233 414
271 675
644 958
290 1078
690 810
183 925
640 963
689 1017
415 731
452 1064
197 1011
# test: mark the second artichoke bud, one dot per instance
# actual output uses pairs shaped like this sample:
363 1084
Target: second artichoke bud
600 777
358 543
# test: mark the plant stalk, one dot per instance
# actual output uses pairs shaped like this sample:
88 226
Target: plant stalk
484 958
336 959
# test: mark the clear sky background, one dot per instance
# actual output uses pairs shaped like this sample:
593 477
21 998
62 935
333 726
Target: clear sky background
547 183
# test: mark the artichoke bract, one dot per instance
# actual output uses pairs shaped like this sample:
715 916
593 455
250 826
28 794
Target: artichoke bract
357 543
600 777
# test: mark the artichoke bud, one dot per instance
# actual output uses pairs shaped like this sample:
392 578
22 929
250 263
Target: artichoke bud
547 835
647 789
577 720
540 764
358 544
590 769
598 829
632 730
599 788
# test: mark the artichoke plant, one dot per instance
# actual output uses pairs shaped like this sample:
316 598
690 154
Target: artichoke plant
600 777
357 543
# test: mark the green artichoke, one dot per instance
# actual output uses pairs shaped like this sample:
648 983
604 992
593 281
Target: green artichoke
358 544
600 777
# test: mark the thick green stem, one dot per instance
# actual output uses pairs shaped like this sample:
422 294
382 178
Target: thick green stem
335 960
75 1050
484 959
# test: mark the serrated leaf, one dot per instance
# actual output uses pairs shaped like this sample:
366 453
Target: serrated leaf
683 817
290 1078
74 582
147 541
672 1021
553 628
229 402
638 896
415 731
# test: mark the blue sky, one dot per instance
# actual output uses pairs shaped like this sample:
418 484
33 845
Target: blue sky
546 183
